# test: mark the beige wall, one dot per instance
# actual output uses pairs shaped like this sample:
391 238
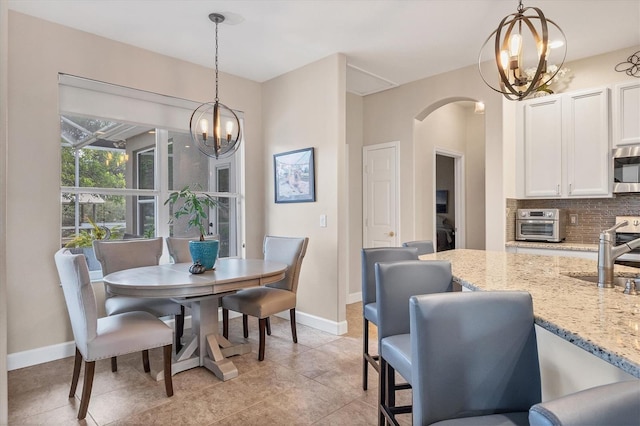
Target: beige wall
475 192
306 108
354 146
4 58
452 128
392 114
39 50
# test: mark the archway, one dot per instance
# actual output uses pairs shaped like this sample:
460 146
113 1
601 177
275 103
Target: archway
450 127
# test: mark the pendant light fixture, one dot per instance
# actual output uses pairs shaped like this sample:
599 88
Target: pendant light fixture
522 48
214 127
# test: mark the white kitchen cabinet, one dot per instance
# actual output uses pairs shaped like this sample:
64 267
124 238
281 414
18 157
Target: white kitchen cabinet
563 146
626 114
542 146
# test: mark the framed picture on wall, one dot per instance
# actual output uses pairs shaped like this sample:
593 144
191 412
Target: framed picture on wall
294 176
442 195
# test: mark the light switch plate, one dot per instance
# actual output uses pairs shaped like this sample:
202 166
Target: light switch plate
323 221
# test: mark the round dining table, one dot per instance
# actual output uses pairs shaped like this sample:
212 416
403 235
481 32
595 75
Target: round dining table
200 292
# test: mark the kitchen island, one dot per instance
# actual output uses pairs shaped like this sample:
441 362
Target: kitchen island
603 322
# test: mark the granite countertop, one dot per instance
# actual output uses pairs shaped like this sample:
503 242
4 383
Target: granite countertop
553 246
604 322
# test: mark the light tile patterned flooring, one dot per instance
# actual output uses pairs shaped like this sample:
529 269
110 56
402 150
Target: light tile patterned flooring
317 381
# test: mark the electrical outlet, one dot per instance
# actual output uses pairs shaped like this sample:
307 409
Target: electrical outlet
573 219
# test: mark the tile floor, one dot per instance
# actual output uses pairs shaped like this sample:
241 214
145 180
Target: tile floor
317 381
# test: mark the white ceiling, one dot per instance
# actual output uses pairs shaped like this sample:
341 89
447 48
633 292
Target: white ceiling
387 42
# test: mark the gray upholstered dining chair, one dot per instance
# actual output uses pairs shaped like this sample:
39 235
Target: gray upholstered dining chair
612 404
474 358
102 338
179 247
396 282
423 246
370 256
262 302
116 255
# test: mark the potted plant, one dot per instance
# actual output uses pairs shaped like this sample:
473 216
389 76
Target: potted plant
83 242
195 207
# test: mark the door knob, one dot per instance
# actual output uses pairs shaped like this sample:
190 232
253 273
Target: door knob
391 234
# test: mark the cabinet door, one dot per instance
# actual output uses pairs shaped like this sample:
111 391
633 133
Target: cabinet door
626 114
586 123
543 147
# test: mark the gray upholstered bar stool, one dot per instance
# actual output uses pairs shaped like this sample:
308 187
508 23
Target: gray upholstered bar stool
612 404
423 246
474 359
396 282
370 256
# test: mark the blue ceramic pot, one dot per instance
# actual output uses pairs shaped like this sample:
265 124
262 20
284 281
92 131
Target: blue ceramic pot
205 251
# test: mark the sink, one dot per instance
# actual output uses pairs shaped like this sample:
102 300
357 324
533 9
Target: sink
593 279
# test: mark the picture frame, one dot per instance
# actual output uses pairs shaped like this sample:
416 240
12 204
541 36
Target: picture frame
294 176
442 196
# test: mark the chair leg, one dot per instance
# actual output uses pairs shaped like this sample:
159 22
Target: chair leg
77 364
390 392
225 323
114 364
89 368
168 377
367 358
382 385
179 331
268 326
386 396
292 318
245 326
262 325
145 361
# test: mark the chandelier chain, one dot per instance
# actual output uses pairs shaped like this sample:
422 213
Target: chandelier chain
216 63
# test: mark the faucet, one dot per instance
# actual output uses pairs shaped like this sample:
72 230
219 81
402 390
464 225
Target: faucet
608 253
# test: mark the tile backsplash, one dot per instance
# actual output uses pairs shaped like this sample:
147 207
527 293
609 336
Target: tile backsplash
593 214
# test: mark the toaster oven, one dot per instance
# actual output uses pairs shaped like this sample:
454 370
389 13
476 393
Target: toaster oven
540 225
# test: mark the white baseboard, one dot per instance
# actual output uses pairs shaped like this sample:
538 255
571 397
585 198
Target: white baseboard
40 355
354 297
63 350
322 324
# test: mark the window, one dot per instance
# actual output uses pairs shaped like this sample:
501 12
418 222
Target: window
117 173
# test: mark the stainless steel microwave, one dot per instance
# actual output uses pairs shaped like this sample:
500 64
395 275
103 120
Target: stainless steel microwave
540 225
626 169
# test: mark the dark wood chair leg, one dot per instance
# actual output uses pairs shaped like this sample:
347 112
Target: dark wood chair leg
390 392
365 351
245 326
179 329
262 324
77 364
292 318
89 368
114 364
225 323
145 361
268 326
168 377
382 386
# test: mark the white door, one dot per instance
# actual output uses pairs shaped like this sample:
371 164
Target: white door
380 193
